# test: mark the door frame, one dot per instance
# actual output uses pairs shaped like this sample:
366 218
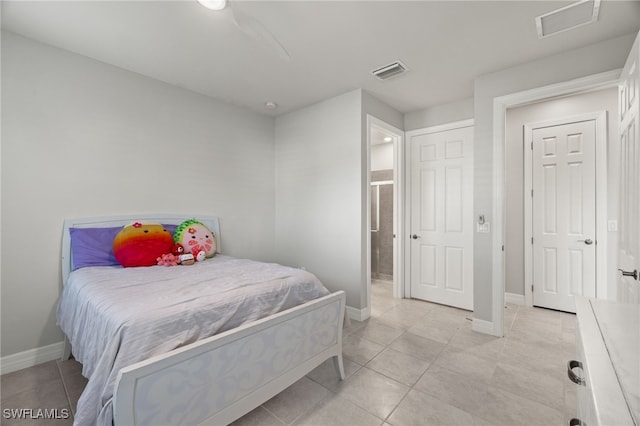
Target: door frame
407 188
398 207
500 105
601 144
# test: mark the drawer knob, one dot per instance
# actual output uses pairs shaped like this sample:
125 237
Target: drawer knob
573 376
576 422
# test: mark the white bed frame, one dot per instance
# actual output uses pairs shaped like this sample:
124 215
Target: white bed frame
219 379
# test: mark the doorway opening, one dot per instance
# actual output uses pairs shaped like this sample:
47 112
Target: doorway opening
384 212
500 106
556 223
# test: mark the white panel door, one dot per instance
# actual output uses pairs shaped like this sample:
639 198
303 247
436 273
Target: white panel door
628 284
564 214
442 217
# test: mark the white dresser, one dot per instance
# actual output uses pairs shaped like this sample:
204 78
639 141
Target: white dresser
607 365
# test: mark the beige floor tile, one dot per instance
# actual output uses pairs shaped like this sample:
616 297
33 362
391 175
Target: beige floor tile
359 350
378 331
337 411
539 357
403 318
535 329
258 417
477 421
503 408
509 317
373 392
453 388
432 329
325 373
352 327
543 388
480 344
69 367
473 367
294 401
381 304
418 346
533 317
29 378
419 409
74 385
50 394
399 366
382 288
448 311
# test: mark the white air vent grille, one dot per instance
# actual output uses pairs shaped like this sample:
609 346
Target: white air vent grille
567 18
391 70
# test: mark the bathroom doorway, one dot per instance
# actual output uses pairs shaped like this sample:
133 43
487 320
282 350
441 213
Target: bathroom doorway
384 215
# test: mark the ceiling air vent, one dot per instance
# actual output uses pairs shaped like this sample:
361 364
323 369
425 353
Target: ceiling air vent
567 18
391 70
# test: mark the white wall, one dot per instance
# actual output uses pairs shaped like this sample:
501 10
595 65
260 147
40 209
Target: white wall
601 100
382 156
82 138
573 64
318 192
440 114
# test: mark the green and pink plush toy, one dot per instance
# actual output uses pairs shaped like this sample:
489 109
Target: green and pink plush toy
196 239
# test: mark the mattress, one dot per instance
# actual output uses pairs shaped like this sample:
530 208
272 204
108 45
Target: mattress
114 317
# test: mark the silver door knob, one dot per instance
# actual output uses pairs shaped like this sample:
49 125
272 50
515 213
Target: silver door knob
588 241
415 237
633 274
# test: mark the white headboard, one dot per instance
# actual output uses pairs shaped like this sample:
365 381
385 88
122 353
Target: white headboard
212 223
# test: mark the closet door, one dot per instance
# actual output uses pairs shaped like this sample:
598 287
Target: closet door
441 228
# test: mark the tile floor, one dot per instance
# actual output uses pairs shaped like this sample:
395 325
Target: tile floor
411 363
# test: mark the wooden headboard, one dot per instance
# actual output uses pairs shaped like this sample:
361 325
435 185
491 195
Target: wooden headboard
212 223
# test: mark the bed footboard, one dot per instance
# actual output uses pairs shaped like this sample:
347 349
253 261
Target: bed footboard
219 379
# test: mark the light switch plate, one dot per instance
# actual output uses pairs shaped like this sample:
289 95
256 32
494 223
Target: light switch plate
612 225
484 227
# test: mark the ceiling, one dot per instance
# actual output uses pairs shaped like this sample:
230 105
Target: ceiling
333 45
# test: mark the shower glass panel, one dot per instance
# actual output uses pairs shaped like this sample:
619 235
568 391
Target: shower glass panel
382 229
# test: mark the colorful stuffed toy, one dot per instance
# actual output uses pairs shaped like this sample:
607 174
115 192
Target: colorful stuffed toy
195 237
167 260
141 244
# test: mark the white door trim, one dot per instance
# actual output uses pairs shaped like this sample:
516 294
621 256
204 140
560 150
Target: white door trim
600 118
398 206
500 105
407 188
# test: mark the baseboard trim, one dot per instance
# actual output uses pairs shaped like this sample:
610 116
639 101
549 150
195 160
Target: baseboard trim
358 314
516 299
482 326
31 357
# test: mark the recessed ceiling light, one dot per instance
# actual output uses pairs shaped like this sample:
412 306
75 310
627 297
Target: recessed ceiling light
213 4
388 139
271 105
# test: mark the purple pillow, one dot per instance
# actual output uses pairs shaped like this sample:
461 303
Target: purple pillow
94 246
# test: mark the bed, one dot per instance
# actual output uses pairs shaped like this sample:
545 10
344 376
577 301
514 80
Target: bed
198 344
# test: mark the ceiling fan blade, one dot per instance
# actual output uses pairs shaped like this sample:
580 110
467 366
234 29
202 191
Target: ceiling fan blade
255 29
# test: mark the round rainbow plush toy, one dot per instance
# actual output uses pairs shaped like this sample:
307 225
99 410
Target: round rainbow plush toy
195 237
140 244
